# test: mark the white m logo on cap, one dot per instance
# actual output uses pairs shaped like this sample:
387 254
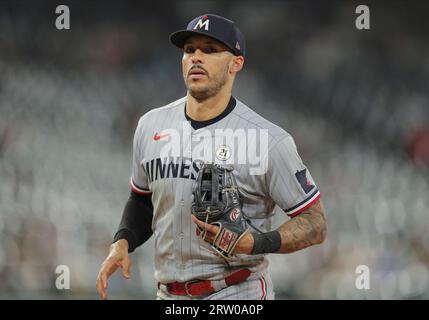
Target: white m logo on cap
200 24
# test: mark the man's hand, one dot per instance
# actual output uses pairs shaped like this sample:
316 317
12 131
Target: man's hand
118 257
245 245
304 230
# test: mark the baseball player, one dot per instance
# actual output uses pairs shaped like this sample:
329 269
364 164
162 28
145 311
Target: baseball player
209 125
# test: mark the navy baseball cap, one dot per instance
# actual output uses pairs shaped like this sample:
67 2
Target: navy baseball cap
213 26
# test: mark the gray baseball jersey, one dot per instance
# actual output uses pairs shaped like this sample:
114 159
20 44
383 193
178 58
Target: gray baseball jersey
167 150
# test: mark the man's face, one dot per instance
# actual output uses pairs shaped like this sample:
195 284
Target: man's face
206 66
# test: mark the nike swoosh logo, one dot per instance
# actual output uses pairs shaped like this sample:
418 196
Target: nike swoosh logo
157 136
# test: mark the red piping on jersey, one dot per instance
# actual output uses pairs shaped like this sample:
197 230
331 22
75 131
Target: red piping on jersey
306 207
139 191
263 287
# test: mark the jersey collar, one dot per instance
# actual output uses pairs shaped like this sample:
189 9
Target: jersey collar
201 124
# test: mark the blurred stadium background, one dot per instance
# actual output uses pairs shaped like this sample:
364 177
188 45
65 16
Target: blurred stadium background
357 103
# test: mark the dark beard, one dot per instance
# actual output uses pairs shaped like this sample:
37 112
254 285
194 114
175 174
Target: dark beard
212 91
201 95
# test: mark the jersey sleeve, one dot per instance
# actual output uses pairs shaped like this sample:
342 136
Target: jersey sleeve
138 180
289 182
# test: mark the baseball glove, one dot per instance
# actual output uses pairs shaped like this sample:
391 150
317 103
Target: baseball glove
216 200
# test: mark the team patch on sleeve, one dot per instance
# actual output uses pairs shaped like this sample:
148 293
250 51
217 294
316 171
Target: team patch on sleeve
303 205
306 184
137 189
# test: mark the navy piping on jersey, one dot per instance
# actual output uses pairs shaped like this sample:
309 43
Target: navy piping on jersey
201 124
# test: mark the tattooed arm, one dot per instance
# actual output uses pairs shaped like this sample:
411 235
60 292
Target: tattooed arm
304 230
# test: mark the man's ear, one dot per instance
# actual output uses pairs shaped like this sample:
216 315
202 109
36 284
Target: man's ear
236 65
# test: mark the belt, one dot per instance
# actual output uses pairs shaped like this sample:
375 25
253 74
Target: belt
195 288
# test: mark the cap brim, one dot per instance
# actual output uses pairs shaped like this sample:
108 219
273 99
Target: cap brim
179 38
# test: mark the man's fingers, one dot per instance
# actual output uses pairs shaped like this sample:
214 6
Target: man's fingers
107 268
110 266
200 223
194 219
126 267
101 287
209 227
101 291
104 282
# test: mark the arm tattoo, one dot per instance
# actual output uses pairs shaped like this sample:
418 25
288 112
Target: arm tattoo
304 230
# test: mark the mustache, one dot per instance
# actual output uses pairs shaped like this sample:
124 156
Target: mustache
196 66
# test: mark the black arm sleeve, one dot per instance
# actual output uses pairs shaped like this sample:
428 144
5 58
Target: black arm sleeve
136 222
